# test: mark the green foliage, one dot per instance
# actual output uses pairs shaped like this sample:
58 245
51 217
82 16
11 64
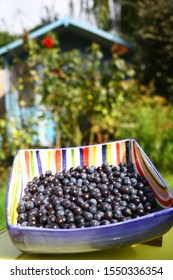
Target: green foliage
77 88
150 122
14 135
106 13
93 100
149 25
6 38
155 40
128 23
100 10
3 188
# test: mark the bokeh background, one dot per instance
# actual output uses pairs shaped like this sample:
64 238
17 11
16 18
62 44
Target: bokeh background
90 99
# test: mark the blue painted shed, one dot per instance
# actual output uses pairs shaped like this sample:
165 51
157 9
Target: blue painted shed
72 34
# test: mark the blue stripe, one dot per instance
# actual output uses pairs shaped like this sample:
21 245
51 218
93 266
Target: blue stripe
81 157
39 162
64 160
103 153
128 154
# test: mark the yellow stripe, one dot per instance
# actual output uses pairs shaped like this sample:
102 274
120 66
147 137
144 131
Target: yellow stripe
49 160
94 155
110 153
123 151
17 192
12 190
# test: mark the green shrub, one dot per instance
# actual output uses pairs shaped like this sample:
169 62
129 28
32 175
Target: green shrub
93 100
2 204
14 135
149 120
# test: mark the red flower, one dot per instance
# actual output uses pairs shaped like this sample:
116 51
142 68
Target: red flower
48 42
119 49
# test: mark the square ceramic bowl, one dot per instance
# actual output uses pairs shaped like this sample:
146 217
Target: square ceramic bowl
33 162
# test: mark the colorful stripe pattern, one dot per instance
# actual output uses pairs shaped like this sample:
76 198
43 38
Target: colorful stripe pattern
30 163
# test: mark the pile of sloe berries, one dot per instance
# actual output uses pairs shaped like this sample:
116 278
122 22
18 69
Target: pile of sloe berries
85 197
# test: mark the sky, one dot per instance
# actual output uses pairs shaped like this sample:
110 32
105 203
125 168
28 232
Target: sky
19 15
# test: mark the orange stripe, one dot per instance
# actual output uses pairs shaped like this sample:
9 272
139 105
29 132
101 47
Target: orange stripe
58 159
118 152
27 160
86 156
